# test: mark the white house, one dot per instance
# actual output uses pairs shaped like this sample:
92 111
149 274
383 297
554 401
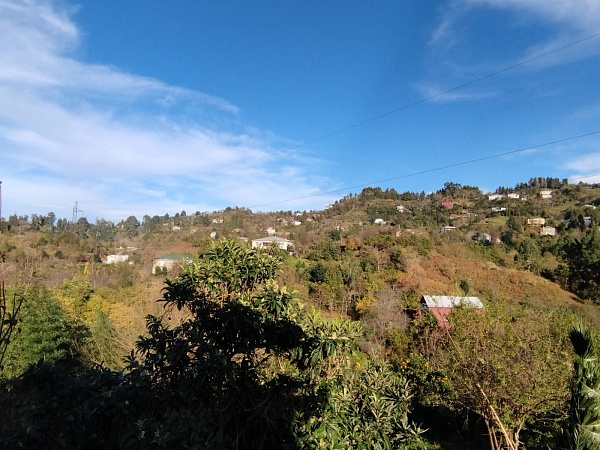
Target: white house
548 231
546 193
513 195
169 262
492 197
267 242
114 259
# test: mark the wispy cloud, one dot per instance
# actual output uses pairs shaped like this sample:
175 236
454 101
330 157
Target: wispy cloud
436 93
120 142
580 14
586 163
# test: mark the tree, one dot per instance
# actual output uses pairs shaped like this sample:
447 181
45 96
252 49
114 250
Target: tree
130 226
46 333
224 362
10 314
583 259
584 407
528 254
506 366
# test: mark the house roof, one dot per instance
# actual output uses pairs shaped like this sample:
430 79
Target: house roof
271 239
175 257
449 301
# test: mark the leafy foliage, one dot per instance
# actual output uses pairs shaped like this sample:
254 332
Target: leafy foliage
584 407
506 366
259 367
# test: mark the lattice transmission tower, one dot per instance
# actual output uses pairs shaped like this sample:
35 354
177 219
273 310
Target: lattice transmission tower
75 212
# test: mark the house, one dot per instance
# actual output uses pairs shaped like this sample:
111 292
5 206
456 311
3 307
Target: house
513 195
493 197
498 209
401 208
441 306
379 221
448 204
447 228
546 193
271 231
267 242
167 263
536 222
485 238
547 231
114 259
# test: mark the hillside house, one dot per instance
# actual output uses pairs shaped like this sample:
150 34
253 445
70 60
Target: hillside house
513 195
448 204
536 222
493 197
546 193
168 263
114 259
271 231
446 229
547 231
441 306
267 242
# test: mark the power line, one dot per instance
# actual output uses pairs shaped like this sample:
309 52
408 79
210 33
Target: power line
410 105
436 169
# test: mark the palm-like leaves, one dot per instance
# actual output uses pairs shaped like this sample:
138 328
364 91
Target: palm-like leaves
584 409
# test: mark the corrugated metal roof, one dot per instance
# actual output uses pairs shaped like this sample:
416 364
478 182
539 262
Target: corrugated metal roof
449 301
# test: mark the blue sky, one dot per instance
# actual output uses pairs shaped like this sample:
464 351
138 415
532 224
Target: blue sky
133 108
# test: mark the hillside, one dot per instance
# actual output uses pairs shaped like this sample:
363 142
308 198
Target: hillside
530 253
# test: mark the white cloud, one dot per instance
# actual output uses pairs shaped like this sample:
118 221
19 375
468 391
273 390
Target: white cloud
586 163
580 14
118 143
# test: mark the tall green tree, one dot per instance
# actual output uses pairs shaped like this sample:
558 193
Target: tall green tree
46 333
583 259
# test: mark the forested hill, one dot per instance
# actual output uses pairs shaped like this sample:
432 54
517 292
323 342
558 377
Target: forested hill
305 342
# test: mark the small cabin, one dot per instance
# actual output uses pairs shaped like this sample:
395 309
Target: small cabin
441 306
